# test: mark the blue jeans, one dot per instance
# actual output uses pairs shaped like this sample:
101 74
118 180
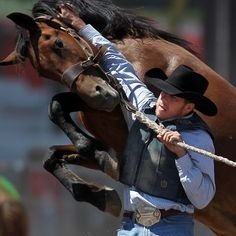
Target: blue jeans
177 225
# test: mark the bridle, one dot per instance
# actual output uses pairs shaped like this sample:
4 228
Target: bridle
93 56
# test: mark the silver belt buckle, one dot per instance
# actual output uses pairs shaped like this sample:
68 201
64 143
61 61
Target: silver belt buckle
147 216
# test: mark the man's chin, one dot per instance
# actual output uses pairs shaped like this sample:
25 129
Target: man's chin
160 113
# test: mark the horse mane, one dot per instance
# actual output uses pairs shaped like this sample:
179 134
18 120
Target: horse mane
111 21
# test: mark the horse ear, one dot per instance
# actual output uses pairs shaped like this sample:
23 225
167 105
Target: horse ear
12 59
24 21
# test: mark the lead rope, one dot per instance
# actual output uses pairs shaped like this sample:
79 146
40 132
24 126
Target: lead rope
159 128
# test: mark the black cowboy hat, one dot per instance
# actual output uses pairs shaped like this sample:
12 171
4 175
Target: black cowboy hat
184 83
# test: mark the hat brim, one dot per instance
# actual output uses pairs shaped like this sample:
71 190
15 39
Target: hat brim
202 103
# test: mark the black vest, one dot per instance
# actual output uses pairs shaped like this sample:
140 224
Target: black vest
148 165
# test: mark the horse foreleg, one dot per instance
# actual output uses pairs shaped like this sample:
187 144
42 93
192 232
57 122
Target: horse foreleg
87 150
59 111
105 162
102 197
100 161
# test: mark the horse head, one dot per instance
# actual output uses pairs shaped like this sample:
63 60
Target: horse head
59 54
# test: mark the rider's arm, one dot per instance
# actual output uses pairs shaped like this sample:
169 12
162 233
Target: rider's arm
196 171
117 65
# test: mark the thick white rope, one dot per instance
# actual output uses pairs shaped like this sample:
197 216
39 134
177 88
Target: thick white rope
158 128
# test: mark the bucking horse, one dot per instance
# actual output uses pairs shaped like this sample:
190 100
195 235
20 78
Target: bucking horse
57 52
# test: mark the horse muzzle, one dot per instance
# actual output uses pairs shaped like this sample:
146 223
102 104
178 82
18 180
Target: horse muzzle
103 99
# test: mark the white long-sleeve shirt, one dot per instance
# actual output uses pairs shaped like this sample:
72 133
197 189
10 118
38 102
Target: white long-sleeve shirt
196 172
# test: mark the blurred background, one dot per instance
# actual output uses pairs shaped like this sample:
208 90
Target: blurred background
26 132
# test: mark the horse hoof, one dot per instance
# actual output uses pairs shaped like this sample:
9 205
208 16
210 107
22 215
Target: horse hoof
113 203
104 198
108 164
52 164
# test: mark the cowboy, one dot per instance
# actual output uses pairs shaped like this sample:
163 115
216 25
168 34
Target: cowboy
164 183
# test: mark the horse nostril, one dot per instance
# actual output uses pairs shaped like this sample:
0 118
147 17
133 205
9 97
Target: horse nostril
105 93
98 88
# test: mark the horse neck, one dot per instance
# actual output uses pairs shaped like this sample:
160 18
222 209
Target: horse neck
146 53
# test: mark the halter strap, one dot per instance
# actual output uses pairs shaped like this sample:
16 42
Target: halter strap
50 21
72 73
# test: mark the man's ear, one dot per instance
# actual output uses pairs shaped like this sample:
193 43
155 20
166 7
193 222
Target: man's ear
190 107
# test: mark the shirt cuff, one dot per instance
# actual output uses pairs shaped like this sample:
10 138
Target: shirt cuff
89 32
184 164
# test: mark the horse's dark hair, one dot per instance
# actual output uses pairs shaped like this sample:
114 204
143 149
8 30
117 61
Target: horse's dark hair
22 44
110 20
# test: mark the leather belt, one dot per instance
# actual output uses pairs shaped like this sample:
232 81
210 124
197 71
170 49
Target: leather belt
163 214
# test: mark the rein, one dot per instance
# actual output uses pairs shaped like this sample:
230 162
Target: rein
158 128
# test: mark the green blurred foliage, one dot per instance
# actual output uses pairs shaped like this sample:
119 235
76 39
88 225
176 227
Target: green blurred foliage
8 6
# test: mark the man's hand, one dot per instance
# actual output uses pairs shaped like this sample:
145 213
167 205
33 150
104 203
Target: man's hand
68 14
169 138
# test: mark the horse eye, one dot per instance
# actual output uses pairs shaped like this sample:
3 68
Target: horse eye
58 44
